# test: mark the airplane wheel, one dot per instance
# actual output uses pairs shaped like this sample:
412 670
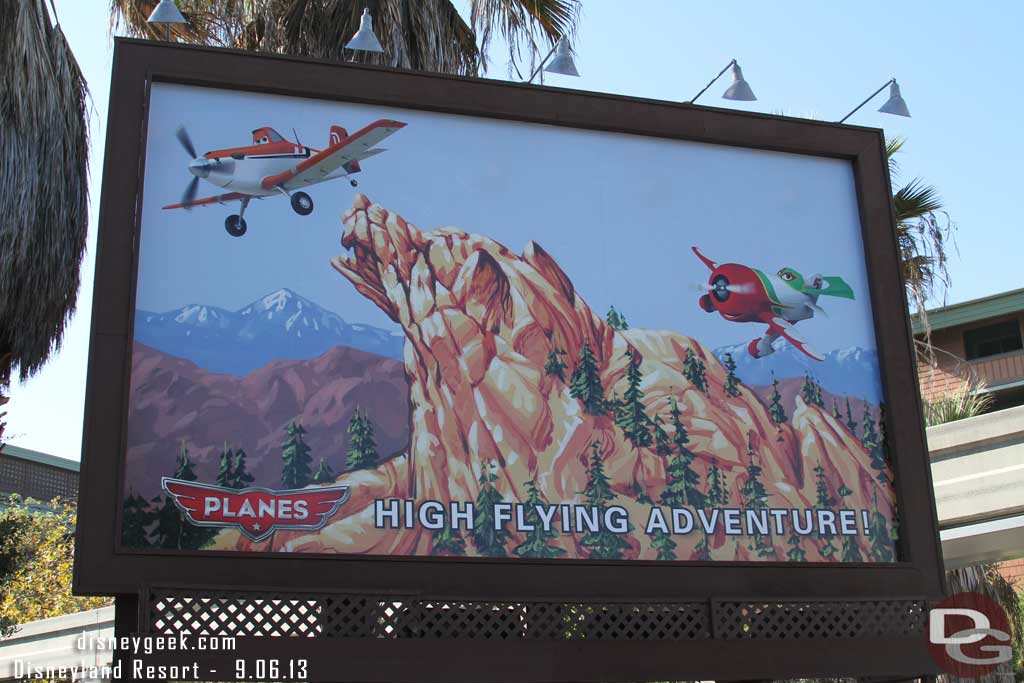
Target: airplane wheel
302 203
353 183
235 225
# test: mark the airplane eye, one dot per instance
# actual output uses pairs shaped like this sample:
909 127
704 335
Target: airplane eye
786 275
263 140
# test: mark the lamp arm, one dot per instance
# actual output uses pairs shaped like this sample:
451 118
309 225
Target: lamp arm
542 63
869 98
712 82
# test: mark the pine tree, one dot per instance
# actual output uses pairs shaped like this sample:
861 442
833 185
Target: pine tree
489 542
536 542
732 382
881 541
818 399
755 497
225 472
682 481
662 542
135 519
702 551
695 371
851 424
851 549
795 552
447 542
296 459
662 444
631 415
172 529
240 477
616 320
555 366
602 544
718 495
807 390
824 501
362 448
835 410
873 445
324 473
775 409
585 383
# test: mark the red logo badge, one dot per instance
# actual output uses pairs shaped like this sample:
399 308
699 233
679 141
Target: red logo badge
969 635
256 512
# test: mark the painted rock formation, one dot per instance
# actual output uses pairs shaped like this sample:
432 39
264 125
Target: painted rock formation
480 321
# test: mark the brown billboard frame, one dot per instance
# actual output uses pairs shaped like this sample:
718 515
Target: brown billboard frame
102 567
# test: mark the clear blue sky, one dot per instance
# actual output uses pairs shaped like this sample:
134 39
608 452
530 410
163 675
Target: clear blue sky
958 65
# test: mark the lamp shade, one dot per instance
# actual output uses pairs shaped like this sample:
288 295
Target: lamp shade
740 89
895 104
562 62
365 39
166 12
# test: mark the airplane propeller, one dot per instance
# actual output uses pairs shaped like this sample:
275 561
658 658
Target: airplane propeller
193 187
190 192
186 141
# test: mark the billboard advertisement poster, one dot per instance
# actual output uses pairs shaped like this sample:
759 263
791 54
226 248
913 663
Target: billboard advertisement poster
373 330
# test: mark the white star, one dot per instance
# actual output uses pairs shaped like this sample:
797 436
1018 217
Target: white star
256 526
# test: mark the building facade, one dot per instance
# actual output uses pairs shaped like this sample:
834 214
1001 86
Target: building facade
977 345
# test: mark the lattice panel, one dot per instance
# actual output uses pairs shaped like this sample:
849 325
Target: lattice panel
233 613
800 620
348 616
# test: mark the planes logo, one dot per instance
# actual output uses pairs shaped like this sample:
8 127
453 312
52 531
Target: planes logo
256 512
969 635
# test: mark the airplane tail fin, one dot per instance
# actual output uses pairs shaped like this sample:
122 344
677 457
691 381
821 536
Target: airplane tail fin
338 134
707 262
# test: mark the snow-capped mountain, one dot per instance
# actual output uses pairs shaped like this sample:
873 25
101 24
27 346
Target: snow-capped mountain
279 326
851 371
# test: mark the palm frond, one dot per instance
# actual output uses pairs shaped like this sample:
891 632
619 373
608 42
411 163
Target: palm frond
44 171
416 34
526 26
892 148
915 199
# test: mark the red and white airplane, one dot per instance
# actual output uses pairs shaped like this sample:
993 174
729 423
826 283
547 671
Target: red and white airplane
273 165
742 294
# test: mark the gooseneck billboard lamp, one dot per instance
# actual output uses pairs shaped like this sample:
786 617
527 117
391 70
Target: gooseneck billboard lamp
738 90
894 105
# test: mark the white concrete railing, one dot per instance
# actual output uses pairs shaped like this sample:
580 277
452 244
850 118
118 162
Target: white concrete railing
54 643
978 474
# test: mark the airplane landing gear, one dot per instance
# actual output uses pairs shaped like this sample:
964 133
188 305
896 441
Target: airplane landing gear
302 204
235 225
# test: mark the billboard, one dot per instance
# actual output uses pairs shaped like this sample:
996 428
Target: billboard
461 359
362 329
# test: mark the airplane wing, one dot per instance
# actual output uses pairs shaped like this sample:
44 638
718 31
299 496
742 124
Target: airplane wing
217 199
352 148
778 326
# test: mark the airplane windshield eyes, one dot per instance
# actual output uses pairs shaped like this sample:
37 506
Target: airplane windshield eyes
263 140
787 275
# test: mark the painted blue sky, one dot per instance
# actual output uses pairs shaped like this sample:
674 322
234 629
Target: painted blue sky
618 212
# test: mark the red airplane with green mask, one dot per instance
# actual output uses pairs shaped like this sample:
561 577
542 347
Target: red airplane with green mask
742 294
